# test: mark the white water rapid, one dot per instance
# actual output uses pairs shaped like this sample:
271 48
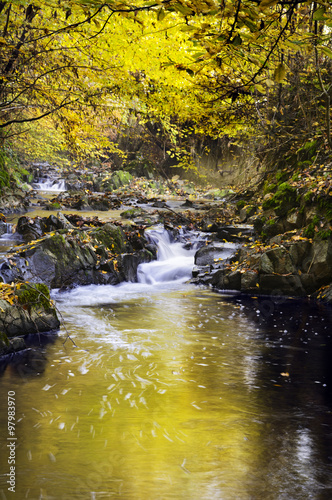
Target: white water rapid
9 238
47 184
172 269
9 230
174 262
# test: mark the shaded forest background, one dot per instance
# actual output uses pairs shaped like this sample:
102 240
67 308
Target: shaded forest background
226 92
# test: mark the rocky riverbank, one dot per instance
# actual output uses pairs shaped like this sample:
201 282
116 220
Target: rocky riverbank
291 254
25 308
281 245
57 254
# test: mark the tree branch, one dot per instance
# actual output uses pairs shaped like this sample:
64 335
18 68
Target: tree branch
235 21
322 86
26 120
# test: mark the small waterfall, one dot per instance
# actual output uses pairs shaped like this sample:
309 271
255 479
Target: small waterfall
5 229
175 262
47 184
8 238
7 233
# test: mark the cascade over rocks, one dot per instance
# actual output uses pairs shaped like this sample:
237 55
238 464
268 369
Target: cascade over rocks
67 257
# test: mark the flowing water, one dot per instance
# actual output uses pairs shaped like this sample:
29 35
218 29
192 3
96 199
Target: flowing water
173 392
47 184
8 239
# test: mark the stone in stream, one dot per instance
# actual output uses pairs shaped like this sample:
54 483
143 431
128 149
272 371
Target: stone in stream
70 257
214 252
24 308
14 200
35 228
294 268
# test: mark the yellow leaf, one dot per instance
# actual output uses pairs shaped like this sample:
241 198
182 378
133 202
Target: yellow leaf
279 73
264 4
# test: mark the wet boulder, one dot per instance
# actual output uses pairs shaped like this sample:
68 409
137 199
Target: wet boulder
30 229
55 260
293 220
299 252
131 261
133 213
214 252
75 257
34 228
28 309
101 204
118 178
319 261
246 212
226 279
276 284
111 236
272 227
249 281
277 260
234 233
53 223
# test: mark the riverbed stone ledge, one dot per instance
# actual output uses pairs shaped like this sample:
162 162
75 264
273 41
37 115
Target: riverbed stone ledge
294 267
69 256
25 308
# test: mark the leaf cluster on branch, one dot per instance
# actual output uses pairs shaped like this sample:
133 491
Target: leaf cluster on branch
196 67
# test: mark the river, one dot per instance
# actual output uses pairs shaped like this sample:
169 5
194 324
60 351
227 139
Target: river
173 392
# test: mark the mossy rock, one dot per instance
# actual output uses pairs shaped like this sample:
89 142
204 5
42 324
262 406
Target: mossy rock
55 244
33 312
119 178
219 194
53 206
189 188
269 188
284 200
4 342
141 168
35 295
247 211
111 236
4 179
325 206
240 204
132 213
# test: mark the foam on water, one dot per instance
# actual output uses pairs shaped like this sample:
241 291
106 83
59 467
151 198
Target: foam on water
46 184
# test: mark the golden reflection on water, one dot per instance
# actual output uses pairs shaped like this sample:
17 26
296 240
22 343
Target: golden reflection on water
162 399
